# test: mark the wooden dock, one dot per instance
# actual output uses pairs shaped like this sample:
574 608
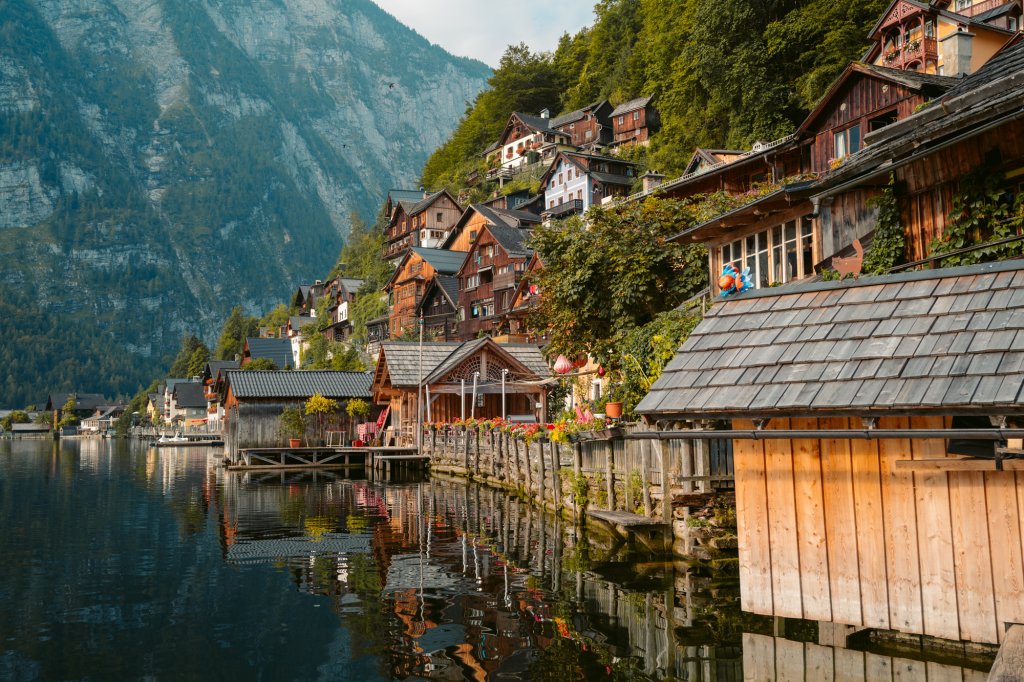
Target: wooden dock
655 535
378 459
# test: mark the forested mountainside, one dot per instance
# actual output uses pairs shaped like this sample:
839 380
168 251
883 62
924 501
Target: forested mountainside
724 73
162 161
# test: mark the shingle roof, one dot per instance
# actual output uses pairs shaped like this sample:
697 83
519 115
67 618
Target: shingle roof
214 366
425 202
536 122
277 350
405 195
445 262
300 321
449 287
513 240
189 395
631 105
403 358
940 341
506 216
1006 62
83 401
352 285
300 384
573 116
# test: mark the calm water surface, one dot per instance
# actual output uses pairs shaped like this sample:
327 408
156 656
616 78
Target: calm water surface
119 562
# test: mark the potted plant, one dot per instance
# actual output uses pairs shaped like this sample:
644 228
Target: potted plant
320 408
358 409
293 426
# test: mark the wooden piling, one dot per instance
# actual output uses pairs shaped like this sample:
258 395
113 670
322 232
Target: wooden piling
542 475
610 473
556 474
645 471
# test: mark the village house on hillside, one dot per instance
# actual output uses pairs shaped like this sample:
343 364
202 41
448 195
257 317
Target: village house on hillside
577 181
488 278
439 308
408 284
278 351
588 128
526 140
479 216
634 122
424 224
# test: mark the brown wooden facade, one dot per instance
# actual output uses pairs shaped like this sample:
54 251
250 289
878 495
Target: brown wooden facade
440 310
853 532
634 122
425 223
587 127
487 282
406 289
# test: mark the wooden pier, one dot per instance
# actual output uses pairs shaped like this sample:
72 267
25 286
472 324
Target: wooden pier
378 459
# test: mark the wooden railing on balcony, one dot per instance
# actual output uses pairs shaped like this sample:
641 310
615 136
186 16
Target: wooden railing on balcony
564 209
505 280
979 7
916 50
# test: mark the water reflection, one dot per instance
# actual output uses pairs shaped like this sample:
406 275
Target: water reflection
127 562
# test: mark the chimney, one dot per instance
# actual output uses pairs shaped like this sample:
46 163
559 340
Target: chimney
651 179
544 113
957 50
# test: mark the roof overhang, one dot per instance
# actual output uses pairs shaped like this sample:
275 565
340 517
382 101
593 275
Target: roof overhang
778 206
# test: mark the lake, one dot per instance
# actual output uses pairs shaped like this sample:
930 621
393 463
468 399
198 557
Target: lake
126 562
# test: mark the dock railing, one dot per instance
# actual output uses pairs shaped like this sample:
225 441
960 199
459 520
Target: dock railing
611 471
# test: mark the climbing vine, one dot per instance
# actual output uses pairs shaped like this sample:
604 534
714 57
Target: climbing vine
983 211
889 242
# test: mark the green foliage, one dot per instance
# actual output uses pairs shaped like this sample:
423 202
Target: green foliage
367 306
15 417
724 73
524 81
889 242
192 352
67 413
324 354
293 423
601 282
579 485
635 489
358 407
320 408
276 318
236 329
646 350
984 210
261 364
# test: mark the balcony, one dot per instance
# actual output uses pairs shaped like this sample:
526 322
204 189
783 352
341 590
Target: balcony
979 7
916 50
505 280
564 210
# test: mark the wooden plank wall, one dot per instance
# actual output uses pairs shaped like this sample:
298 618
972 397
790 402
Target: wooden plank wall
767 659
830 530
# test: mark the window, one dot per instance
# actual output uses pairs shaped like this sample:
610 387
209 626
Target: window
882 120
783 254
622 119
473 281
1011 23
636 115
560 181
846 142
963 4
579 195
440 217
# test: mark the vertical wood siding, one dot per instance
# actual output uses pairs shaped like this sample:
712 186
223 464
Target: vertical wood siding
830 530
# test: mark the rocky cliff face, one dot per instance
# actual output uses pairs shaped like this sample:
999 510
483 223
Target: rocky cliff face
164 160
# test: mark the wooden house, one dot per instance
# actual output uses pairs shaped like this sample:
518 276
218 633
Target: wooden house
576 181
704 160
479 216
526 140
459 380
377 332
396 197
439 308
951 38
931 154
342 292
407 285
524 299
488 278
85 403
254 401
188 405
587 128
634 122
868 419
424 224
213 377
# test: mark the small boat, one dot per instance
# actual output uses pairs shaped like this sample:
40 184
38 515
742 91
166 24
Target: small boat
169 440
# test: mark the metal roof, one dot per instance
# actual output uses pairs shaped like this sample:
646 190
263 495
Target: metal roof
445 262
277 350
937 341
299 384
189 394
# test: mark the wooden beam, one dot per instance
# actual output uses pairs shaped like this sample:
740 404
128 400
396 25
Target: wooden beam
957 464
1009 663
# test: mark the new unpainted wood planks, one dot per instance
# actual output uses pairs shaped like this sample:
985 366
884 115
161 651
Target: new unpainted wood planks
752 524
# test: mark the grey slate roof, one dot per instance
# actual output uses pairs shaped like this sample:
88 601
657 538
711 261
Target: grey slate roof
940 341
1006 62
351 285
447 285
535 122
277 350
513 240
83 401
299 321
573 116
189 395
445 262
405 195
439 358
631 105
507 216
300 384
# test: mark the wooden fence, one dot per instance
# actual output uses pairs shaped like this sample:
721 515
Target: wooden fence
621 473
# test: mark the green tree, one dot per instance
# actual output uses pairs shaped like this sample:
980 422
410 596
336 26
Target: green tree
261 364
276 318
237 328
67 413
197 363
602 280
15 417
183 360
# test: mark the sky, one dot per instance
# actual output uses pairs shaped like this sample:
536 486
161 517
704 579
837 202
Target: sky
482 29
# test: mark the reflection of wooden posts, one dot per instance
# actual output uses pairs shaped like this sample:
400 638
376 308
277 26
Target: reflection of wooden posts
55 430
577 468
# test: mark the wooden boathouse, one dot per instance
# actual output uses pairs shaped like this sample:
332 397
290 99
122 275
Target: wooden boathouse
876 439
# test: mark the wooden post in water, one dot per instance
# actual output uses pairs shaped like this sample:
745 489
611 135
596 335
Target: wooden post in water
687 465
577 470
542 475
666 491
627 455
494 458
476 459
556 474
610 473
702 465
645 471
465 449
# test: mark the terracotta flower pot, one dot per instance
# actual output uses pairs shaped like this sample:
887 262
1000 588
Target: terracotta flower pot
357 443
294 442
613 410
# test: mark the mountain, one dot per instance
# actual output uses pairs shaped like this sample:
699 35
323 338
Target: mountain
164 160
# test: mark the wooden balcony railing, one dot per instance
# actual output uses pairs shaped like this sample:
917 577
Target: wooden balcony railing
979 7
